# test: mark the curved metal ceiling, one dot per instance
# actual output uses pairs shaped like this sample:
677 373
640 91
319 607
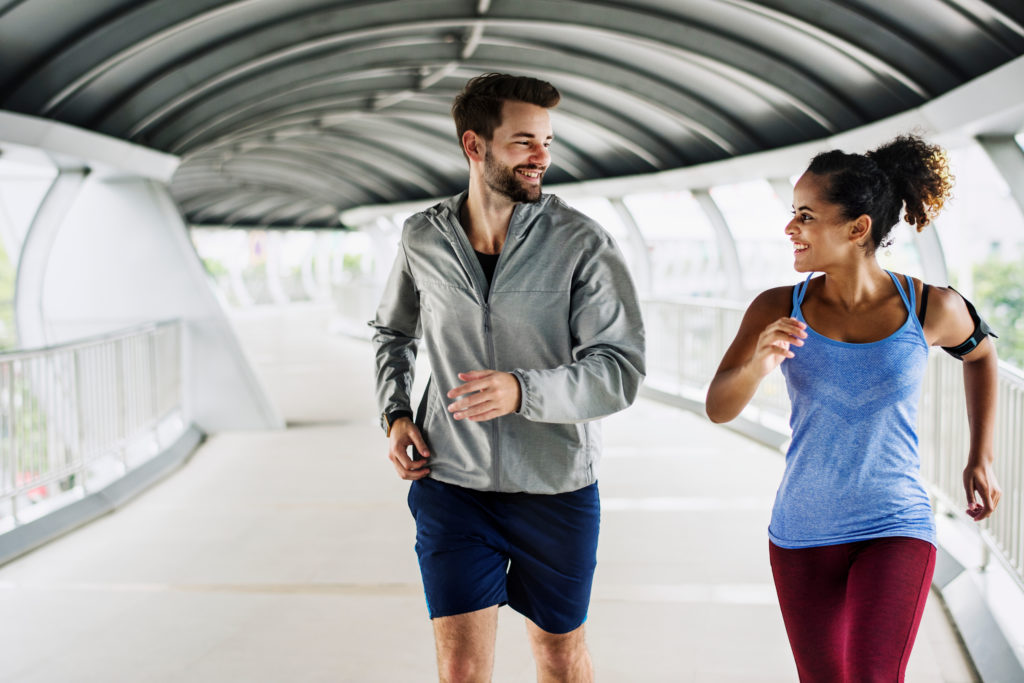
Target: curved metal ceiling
286 112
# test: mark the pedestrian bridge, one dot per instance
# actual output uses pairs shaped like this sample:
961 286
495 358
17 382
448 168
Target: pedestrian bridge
199 202
287 555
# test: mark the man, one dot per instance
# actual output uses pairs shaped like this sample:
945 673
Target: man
533 330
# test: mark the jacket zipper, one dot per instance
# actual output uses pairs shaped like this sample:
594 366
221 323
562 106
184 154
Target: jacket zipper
492 356
485 300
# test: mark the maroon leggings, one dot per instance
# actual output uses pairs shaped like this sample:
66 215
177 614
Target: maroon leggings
852 610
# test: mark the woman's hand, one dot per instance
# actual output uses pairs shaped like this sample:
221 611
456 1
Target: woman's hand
761 344
774 342
983 492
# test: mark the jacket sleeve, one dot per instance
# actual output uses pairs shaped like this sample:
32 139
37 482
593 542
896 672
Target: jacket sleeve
607 348
396 337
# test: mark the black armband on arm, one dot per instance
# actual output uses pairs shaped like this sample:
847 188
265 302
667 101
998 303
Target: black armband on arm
981 330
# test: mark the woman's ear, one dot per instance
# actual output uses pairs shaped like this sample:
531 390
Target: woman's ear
860 230
473 145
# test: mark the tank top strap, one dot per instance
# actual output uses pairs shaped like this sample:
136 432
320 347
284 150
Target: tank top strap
908 295
799 292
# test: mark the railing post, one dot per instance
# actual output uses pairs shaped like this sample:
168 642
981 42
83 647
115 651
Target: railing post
154 383
120 390
12 460
79 423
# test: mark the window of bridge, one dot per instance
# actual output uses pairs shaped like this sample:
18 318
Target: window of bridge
680 242
757 218
982 234
25 177
903 255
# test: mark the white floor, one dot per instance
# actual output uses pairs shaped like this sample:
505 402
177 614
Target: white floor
288 556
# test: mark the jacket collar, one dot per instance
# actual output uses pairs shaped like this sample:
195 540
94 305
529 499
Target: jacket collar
445 215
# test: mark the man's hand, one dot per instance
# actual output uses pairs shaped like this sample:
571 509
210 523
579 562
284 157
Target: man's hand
404 434
486 394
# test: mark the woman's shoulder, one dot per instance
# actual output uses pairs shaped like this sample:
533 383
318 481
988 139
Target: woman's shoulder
773 303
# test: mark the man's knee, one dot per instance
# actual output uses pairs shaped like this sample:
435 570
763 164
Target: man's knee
463 668
560 652
561 657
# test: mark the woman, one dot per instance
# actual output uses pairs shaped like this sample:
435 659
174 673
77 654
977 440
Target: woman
852 539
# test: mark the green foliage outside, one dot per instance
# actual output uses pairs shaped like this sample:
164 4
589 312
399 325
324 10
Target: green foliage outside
214 267
352 263
999 296
7 276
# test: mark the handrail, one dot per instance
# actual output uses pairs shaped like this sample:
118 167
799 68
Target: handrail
88 340
77 416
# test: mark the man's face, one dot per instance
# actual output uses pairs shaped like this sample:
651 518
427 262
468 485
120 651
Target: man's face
517 155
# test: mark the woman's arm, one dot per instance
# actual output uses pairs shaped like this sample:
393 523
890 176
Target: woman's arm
949 325
761 344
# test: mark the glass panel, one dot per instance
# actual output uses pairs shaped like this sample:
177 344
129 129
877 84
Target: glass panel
25 177
757 218
309 262
680 243
902 256
982 233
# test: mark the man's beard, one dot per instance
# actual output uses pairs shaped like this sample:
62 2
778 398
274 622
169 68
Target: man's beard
503 180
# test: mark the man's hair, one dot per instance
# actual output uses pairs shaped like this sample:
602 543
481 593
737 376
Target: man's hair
478 106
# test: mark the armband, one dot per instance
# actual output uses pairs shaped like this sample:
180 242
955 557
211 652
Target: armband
981 330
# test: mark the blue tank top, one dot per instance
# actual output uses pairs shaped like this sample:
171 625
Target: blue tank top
852 468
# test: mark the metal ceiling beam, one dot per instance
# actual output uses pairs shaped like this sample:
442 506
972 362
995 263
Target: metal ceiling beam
613 22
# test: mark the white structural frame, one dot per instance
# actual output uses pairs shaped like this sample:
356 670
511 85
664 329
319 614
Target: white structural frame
108 249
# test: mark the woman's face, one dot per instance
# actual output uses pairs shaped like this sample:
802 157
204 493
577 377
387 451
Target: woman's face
818 229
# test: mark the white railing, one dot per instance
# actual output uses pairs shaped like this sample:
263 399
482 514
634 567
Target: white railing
945 438
686 340
76 416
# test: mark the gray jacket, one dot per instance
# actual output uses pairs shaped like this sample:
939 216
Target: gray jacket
561 315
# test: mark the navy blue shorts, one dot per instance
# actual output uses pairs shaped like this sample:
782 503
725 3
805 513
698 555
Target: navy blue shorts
535 553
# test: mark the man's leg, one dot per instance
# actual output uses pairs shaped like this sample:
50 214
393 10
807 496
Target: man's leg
561 657
465 645
464 575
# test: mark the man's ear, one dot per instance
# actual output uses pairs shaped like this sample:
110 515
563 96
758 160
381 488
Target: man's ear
473 145
860 230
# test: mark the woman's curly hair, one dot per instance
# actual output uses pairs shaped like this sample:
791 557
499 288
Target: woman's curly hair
908 171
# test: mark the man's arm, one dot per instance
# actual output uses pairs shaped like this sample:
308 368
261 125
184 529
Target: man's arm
608 348
396 337
395 340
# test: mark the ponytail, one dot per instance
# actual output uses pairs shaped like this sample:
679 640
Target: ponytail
904 172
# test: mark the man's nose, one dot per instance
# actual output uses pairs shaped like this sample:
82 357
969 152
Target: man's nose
541 156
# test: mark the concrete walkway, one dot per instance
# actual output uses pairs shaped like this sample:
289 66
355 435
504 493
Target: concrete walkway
287 556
